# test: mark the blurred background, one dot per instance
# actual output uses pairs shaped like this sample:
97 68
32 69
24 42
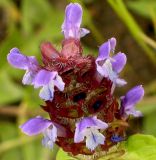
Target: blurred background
27 23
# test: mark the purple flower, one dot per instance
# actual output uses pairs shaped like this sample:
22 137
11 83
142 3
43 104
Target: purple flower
28 63
129 101
71 25
49 129
89 127
47 80
110 67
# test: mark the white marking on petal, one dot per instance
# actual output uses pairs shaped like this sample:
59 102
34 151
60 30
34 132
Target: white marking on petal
50 135
93 138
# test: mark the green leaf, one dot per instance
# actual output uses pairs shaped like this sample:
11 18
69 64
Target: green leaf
143 7
9 91
140 147
63 156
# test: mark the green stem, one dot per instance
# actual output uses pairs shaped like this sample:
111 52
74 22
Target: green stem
120 8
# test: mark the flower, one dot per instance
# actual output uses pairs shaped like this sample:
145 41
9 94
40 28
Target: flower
71 25
35 75
89 127
116 138
28 63
47 80
110 67
49 129
129 101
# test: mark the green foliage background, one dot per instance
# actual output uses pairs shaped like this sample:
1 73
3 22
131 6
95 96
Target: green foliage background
25 26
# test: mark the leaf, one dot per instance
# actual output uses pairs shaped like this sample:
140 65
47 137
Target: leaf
142 7
9 91
63 156
140 147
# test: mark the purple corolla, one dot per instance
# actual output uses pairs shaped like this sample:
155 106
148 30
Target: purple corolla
35 75
110 67
89 127
71 25
49 129
129 101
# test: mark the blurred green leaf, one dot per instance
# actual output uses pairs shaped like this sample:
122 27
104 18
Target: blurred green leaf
140 147
10 92
63 156
9 131
142 7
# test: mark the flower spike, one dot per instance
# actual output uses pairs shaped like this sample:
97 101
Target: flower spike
129 101
71 25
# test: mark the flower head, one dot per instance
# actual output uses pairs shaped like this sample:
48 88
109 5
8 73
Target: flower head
129 101
89 127
71 25
83 88
110 67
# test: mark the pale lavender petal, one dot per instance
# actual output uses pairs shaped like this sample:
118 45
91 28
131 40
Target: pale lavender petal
120 82
133 96
35 126
28 77
43 77
94 139
72 22
104 51
17 59
83 32
58 82
100 124
112 43
50 136
47 92
132 111
119 61
90 122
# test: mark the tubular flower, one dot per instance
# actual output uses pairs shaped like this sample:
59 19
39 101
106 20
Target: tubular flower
88 127
129 101
110 67
85 117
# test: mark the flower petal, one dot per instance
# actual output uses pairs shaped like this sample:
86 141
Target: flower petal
133 96
83 32
58 82
18 60
88 122
119 62
35 126
28 77
43 77
105 49
72 22
47 92
93 139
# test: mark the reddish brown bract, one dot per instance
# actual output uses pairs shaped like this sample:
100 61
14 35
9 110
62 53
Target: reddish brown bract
85 94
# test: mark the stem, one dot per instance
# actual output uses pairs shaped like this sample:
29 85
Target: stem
120 8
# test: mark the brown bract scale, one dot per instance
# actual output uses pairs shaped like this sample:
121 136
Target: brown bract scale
85 94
